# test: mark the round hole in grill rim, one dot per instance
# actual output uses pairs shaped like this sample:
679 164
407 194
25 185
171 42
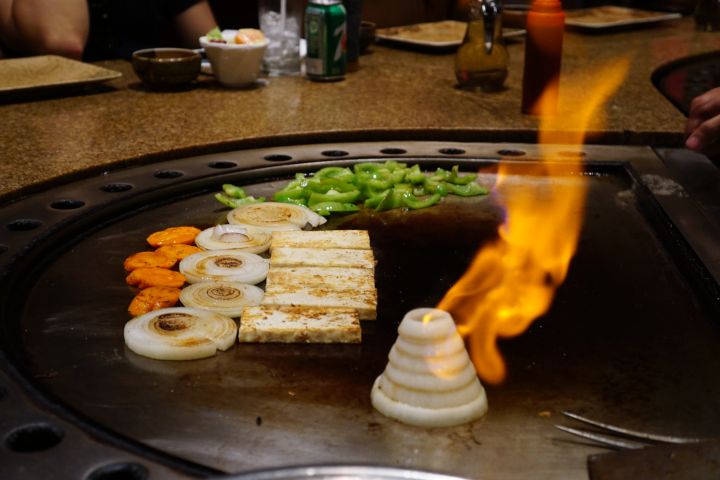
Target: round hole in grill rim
35 437
116 187
166 174
23 224
119 471
222 165
572 154
3 248
393 151
277 157
451 151
334 153
507 152
67 204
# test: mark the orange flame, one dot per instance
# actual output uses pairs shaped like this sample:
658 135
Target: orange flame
512 281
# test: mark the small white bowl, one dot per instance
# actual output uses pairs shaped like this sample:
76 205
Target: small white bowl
234 65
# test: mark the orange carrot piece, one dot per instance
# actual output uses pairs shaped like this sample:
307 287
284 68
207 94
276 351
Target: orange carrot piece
153 298
155 277
173 235
178 250
149 260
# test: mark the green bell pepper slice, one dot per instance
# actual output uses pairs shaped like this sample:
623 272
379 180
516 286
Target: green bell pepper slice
469 190
326 208
236 202
414 203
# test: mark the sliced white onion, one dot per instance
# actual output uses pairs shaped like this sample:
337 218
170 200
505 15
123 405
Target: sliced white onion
429 380
428 417
274 216
227 298
180 333
224 266
234 237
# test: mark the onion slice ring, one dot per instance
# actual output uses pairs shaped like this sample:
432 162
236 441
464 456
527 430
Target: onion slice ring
227 298
274 216
234 237
224 266
180 333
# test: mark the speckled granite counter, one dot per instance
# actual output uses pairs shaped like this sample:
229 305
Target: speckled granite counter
396 94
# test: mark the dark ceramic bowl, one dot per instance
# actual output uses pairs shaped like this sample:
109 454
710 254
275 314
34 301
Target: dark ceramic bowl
166 67
367 35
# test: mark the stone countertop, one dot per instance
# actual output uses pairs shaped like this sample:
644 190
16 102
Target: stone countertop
396 94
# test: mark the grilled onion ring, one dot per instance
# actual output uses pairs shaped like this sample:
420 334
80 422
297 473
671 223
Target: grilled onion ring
224 266
234 237
227 298
180 334
273 216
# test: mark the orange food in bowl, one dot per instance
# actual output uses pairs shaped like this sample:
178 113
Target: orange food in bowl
249 36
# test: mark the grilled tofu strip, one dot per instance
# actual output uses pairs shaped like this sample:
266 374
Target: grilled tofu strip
287 324
342 278
321 257
352 239
365 301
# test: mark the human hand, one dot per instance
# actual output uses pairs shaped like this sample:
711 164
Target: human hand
702 132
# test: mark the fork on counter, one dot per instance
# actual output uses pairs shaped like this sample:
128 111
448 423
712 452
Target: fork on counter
619 437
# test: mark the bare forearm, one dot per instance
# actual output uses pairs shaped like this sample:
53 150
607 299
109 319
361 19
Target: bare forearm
45 26
193 23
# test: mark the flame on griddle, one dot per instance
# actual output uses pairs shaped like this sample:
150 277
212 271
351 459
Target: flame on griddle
512 281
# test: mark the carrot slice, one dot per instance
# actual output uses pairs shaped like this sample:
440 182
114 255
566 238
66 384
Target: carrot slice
173 235
153 298
179 250
148 260
155 277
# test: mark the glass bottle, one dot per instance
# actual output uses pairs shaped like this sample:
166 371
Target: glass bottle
543 57
482 59
707 15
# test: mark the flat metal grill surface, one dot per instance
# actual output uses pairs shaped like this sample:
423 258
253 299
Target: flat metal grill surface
626 340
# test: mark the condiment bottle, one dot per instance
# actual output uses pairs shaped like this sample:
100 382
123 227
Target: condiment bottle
543 55
482 59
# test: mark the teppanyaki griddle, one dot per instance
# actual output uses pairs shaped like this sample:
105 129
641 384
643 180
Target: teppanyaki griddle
631 338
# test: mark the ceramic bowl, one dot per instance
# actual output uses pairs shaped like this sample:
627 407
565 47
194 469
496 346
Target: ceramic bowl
166 67
367 35
234 65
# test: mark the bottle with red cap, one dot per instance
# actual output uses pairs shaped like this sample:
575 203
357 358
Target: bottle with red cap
543 56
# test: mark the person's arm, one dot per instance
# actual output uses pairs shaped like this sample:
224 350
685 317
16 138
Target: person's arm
193 23
703 125
57 27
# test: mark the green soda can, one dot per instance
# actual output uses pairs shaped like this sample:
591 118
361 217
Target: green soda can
326 33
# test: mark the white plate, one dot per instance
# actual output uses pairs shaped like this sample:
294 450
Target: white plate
610 16
445 34
49 72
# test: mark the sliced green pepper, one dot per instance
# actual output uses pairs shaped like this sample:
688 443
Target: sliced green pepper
458 179
233 191
411 201
469 190
236 202
326 208
338 173
333 196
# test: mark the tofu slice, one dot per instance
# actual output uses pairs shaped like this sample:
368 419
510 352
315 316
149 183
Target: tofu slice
284 324
342 278
353 239
321 257
364 301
